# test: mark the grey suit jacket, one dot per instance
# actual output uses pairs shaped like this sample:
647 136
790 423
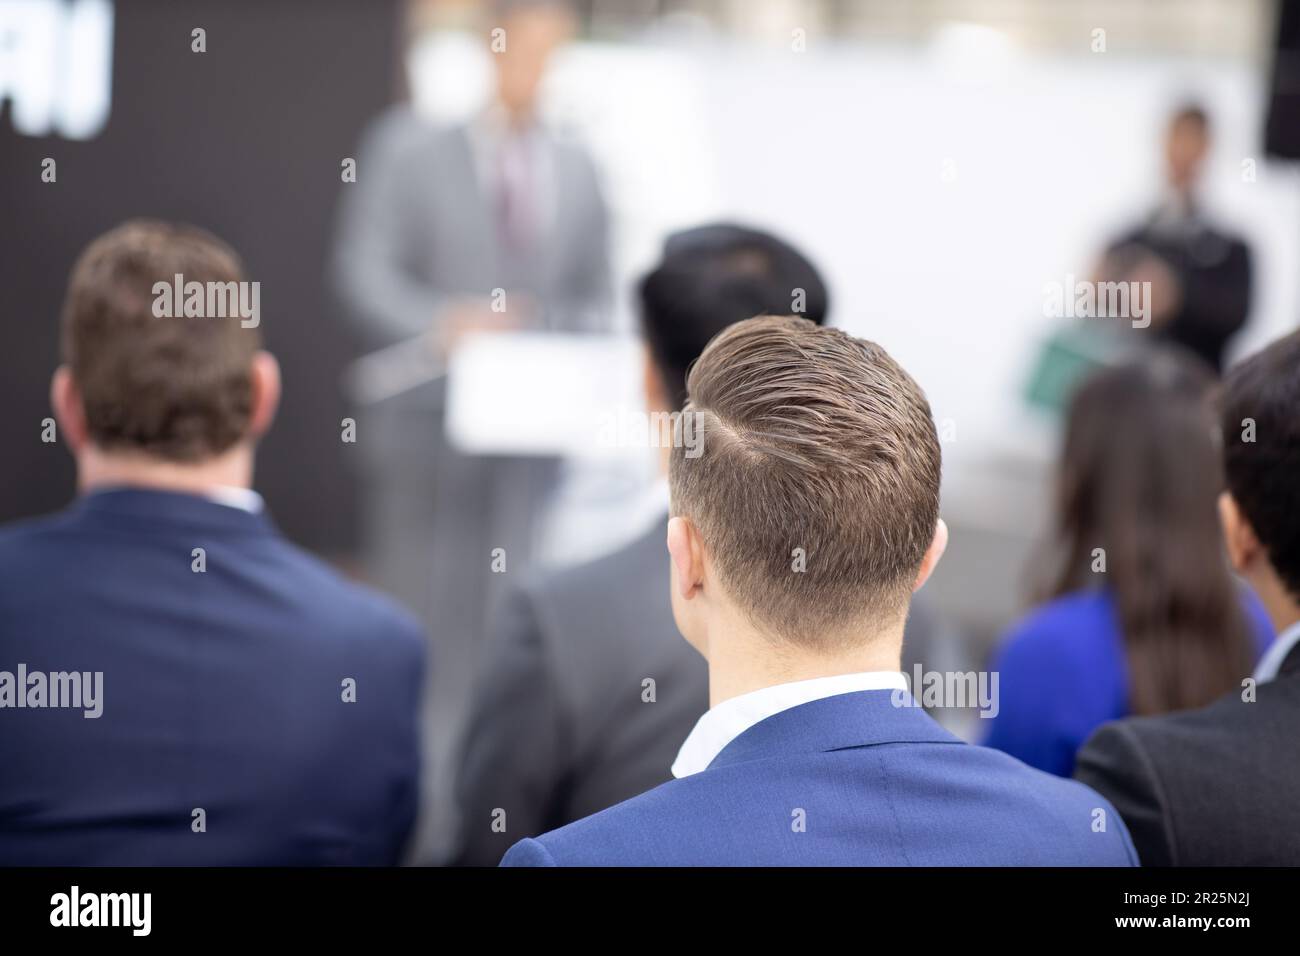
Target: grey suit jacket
562 724
418 227
560 727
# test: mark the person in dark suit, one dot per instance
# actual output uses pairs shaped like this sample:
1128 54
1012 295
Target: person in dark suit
1199 273
563 722
797 537
1217 786
178 684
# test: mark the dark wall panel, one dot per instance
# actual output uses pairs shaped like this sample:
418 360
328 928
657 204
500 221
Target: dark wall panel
245 140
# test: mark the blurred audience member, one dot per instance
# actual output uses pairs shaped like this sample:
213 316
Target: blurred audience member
818 443
1199 275
498 224
222 697
1217 786
1143 615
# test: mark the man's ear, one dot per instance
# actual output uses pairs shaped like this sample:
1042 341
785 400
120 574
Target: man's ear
1238 536
938 544
69 411
686 549
266 393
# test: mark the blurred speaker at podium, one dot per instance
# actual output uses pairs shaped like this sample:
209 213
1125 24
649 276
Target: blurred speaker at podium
454 230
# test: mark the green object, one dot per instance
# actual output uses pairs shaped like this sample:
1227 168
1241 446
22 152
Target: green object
1068 356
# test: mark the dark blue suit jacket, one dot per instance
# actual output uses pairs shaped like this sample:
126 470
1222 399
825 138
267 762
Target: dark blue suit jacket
851 780
223 691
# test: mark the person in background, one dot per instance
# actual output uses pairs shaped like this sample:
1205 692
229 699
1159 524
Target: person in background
1142 614
812 752
1217 786
496 224
1199 274
250 706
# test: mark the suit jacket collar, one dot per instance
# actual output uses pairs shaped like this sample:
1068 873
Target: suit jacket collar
860 719
146 507
1281 658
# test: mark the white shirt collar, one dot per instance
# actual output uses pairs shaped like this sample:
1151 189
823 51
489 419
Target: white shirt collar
245 499
1277 652
722 724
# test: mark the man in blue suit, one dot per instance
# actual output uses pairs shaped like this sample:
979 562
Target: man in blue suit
179 684
796 540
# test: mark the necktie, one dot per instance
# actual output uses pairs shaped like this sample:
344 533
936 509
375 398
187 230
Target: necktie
515 223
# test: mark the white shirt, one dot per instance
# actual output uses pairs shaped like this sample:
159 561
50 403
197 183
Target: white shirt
1277 652
245 499
722 724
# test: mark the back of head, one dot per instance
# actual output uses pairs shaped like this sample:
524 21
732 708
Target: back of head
174 387
1260 418
713 276
1135 513
817 492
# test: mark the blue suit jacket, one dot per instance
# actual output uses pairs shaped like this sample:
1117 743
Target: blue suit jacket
222 692
851 780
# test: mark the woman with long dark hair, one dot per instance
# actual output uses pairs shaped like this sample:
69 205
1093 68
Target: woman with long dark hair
1140 613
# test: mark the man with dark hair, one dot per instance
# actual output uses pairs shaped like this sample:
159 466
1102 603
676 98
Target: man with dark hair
178 684
710 277
796 539
563 723
1217 786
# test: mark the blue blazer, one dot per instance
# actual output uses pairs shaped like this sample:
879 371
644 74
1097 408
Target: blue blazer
1062 673
223 692
851 780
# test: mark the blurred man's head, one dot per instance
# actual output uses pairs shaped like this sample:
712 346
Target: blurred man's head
1260 510
138 391
813 512
531 30
1187 142
709 278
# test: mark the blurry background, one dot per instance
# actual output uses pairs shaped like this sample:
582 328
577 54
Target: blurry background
941 160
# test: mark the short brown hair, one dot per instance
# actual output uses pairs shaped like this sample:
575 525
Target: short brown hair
812 440
175 388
